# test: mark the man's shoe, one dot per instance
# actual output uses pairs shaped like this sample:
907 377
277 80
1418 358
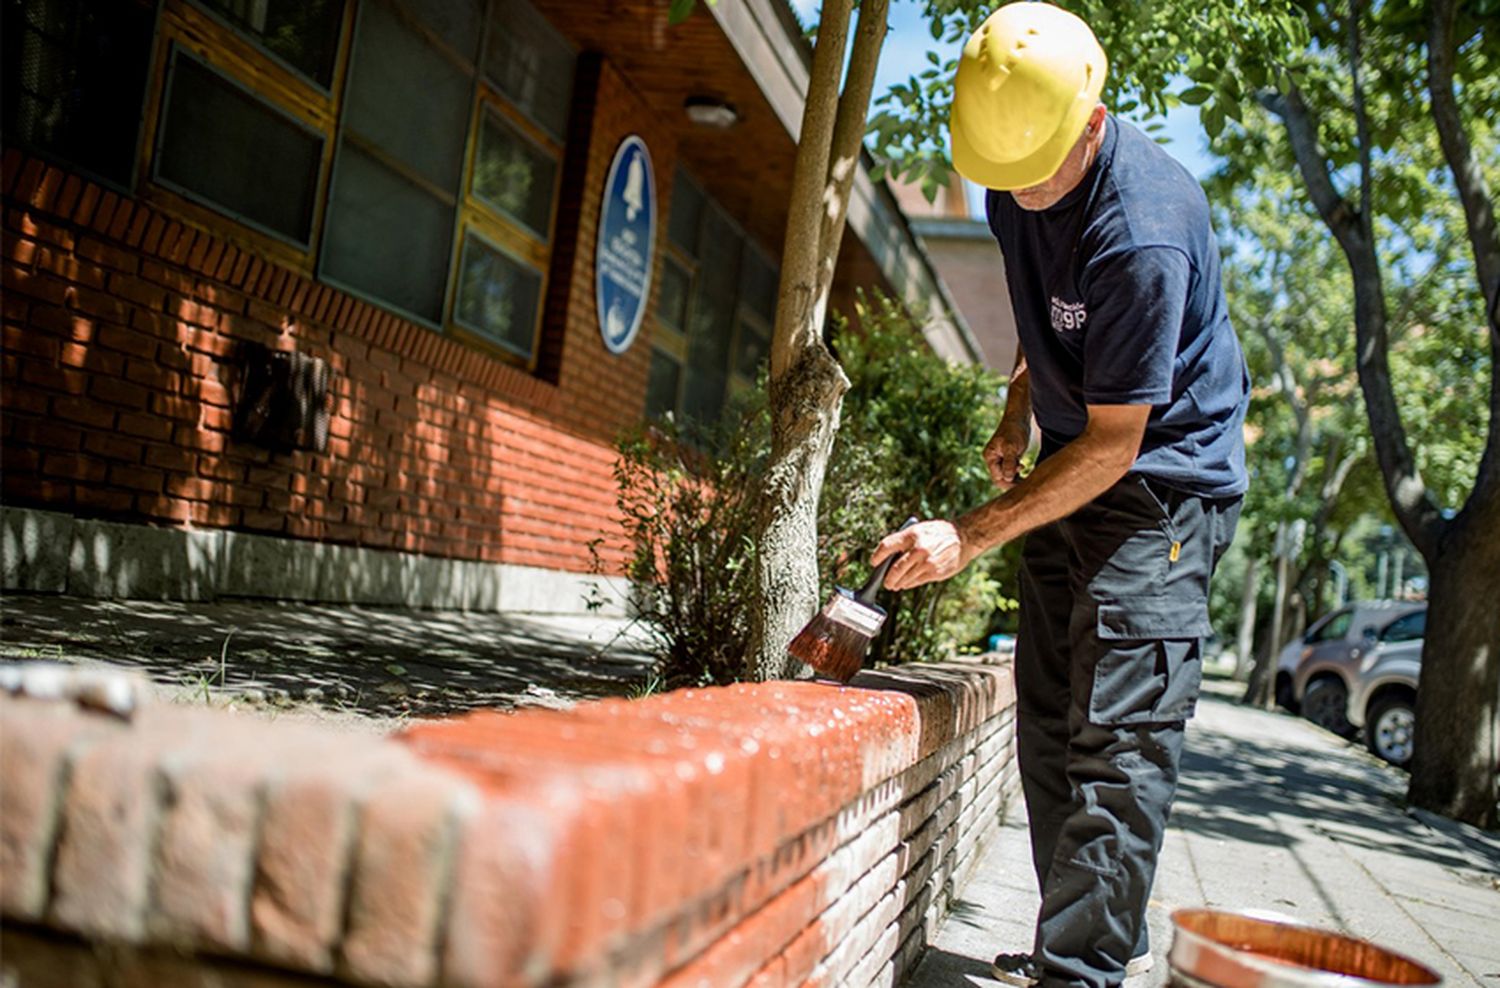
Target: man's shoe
1016 969
1023 971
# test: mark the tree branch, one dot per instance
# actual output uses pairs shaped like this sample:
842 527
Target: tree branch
796 328
848 135
1361 123
1302 133
1479 210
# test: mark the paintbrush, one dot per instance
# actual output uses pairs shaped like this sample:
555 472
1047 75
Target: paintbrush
836 639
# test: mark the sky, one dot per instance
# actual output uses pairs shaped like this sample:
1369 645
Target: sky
905 55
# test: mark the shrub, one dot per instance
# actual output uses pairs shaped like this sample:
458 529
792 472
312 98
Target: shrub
909 443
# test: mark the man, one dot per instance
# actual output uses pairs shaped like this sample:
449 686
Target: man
1132 370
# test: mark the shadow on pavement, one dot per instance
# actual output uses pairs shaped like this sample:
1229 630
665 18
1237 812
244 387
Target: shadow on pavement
364 661
1234 789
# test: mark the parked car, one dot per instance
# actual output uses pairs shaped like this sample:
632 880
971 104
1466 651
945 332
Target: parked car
1383 695
1321 681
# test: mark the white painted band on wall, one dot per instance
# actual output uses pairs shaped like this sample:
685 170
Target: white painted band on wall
51 552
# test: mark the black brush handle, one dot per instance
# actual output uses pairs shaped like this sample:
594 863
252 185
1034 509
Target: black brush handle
866 594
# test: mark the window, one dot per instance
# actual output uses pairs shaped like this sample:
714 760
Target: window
497 296
715 306
389 231
441 142
223 145
1334 628
1406 629
304 34
75 80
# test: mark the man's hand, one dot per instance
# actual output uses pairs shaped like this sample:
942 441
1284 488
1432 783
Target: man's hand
930 551
1002 454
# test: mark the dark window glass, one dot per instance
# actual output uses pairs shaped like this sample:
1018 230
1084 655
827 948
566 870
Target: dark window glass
1335 628
456 22
711 321
672 296
758 286
662 384
498 296
1406 629
687 214
514 175
75 78
408 100
222 144
753 346
387 237
531 64
302 33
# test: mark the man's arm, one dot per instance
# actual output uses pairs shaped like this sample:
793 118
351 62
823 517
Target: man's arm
1058 486
1002 454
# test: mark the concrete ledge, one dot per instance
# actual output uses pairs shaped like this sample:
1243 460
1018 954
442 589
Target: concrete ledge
773 834
57 553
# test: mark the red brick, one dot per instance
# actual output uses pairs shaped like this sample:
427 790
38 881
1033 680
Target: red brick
42 287
145 425
84 411
110 257
139 291
72 466
403 867
39 740
46 189
67 198
20 250
117 392
136 478
307 838
83 214
127 340
104 500
105 306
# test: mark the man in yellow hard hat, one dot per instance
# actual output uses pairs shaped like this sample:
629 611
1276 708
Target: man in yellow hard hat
1132 371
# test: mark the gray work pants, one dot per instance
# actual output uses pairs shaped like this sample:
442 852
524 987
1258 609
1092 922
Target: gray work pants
1114 607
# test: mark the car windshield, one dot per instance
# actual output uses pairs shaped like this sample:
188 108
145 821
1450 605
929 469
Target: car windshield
1406 629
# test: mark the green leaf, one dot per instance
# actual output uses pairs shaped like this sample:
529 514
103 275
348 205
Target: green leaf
937 28
680 11
1196 95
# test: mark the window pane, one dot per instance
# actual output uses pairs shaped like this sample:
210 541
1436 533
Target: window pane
498 296
687 214
661 386
386 237
758 286
220 142
753 348
407 99
75 78
711 321
457 22
671 302
302 33
531 64
514 175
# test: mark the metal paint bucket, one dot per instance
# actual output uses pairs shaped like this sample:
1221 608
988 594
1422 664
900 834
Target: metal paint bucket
1213 949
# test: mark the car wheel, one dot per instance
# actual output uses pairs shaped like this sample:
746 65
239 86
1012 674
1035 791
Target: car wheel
1326 704
1390 729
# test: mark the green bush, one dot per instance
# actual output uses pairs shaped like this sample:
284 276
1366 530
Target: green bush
909 443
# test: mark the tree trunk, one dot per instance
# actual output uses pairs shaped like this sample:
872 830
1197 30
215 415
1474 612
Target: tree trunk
807 384
804 420
1453 769
1249 600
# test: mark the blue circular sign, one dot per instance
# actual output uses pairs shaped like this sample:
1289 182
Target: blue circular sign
624 252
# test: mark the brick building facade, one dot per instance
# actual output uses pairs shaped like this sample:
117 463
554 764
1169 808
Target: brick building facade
396 201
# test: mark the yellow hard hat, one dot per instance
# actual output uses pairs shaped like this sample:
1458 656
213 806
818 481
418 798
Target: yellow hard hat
1026 83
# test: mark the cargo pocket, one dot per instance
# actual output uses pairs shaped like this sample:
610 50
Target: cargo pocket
1148 668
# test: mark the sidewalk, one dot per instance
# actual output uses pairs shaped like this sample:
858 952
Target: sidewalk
367 668
1273 814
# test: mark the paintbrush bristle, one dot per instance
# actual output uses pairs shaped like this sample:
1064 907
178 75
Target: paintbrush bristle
836 640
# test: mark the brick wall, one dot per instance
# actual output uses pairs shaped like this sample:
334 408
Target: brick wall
776 834
120 329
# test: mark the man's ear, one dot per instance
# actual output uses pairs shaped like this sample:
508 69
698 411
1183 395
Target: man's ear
1096 118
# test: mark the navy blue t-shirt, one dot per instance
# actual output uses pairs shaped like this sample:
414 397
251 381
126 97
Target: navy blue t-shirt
1118 301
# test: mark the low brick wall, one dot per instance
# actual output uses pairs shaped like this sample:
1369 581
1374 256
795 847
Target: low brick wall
773 834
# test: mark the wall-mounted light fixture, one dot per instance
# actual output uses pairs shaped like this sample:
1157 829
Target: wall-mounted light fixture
707 111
